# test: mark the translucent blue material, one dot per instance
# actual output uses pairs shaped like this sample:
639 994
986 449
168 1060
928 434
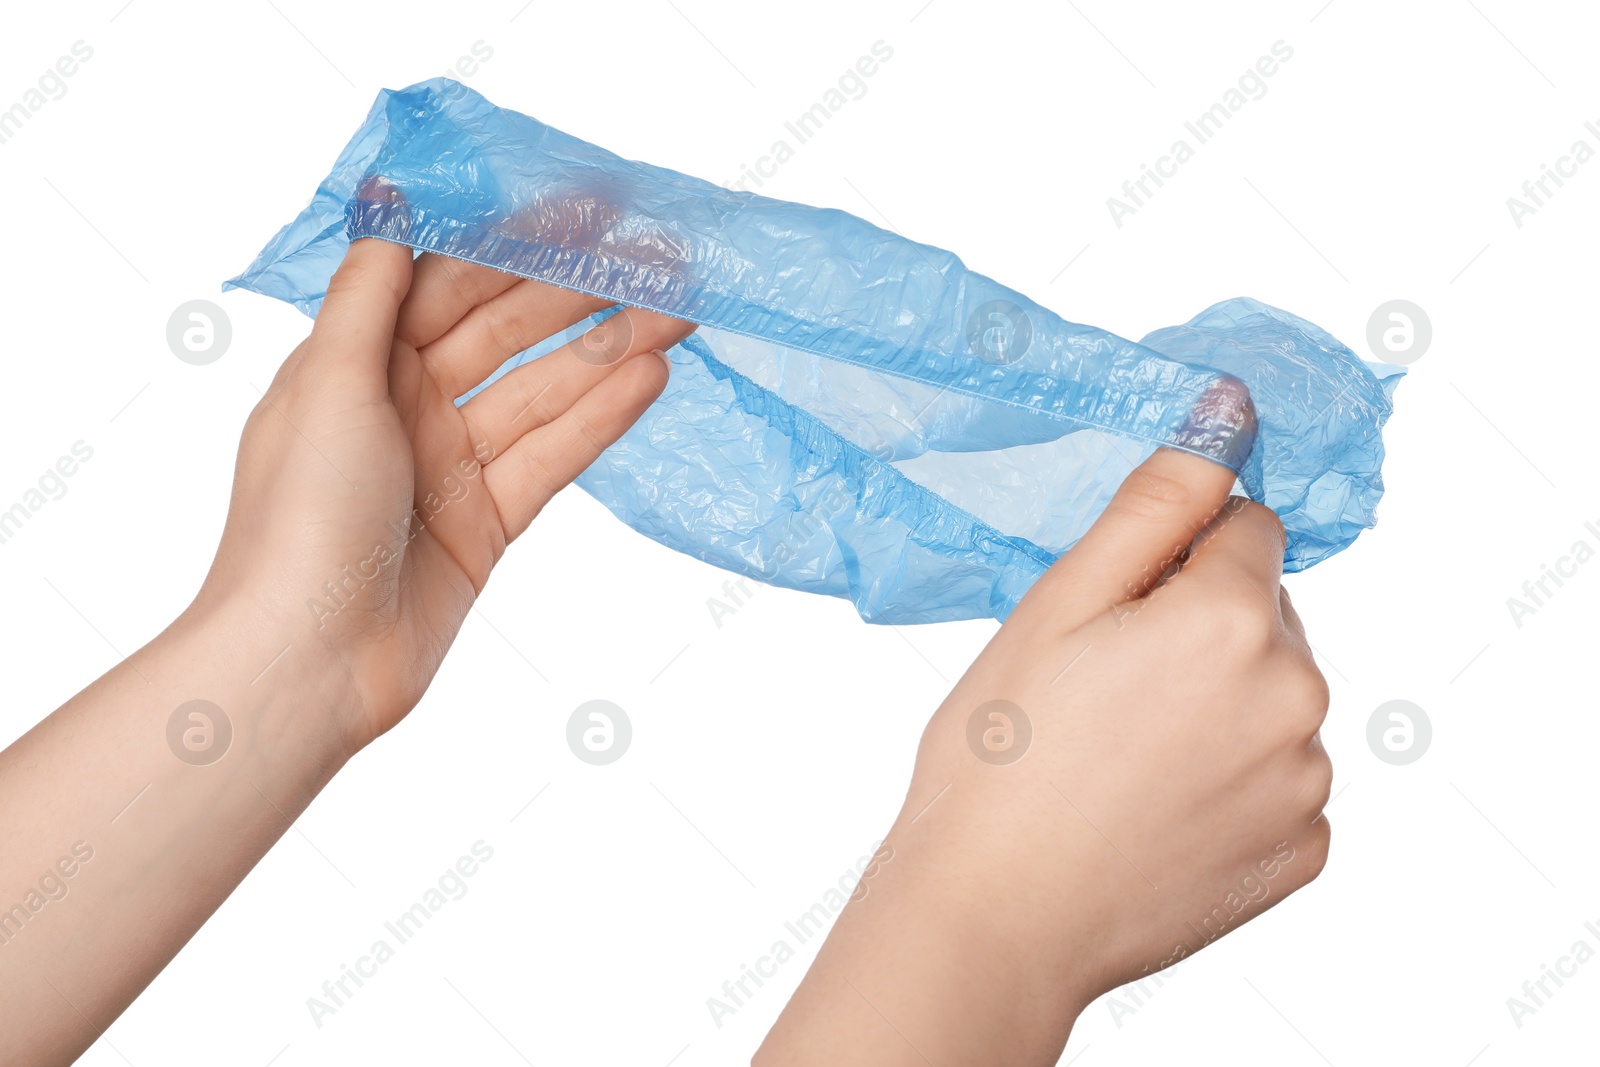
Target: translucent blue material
858 414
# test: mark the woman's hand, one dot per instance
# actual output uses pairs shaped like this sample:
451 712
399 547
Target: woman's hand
1131 769
368 509
367 513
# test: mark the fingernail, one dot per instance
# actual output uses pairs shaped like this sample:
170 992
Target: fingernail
379 209
1222 423
664 358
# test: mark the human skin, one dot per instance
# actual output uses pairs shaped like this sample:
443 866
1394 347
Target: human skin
1191 772
1172 789
357 430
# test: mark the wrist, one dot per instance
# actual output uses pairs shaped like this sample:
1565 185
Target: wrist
938 957
294 695
1023 955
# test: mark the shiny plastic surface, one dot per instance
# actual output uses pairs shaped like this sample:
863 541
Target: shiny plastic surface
859 414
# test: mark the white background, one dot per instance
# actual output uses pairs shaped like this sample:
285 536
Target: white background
771 752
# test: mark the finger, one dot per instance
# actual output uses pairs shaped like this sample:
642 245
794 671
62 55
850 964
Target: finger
524 478
1318 840
1291 617
449 289
444 290
536 393
1242 546
495 331
1319 788
448 485
1150 522
354 331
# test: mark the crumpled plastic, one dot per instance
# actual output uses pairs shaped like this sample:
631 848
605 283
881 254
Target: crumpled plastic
857 414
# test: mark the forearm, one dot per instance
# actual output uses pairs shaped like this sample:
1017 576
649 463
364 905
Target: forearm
155 827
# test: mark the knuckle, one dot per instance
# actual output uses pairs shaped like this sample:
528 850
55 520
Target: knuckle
500 326
1243 624
463 280
346 278
1316 848
1152 495
1309 694
1316 786
1242 517
1266 519
588 437
535 413
539 477
356 275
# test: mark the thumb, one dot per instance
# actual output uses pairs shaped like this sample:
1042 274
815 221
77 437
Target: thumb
1156 513
354 332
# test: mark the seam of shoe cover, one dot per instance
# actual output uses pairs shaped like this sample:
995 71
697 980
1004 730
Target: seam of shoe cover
857 414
